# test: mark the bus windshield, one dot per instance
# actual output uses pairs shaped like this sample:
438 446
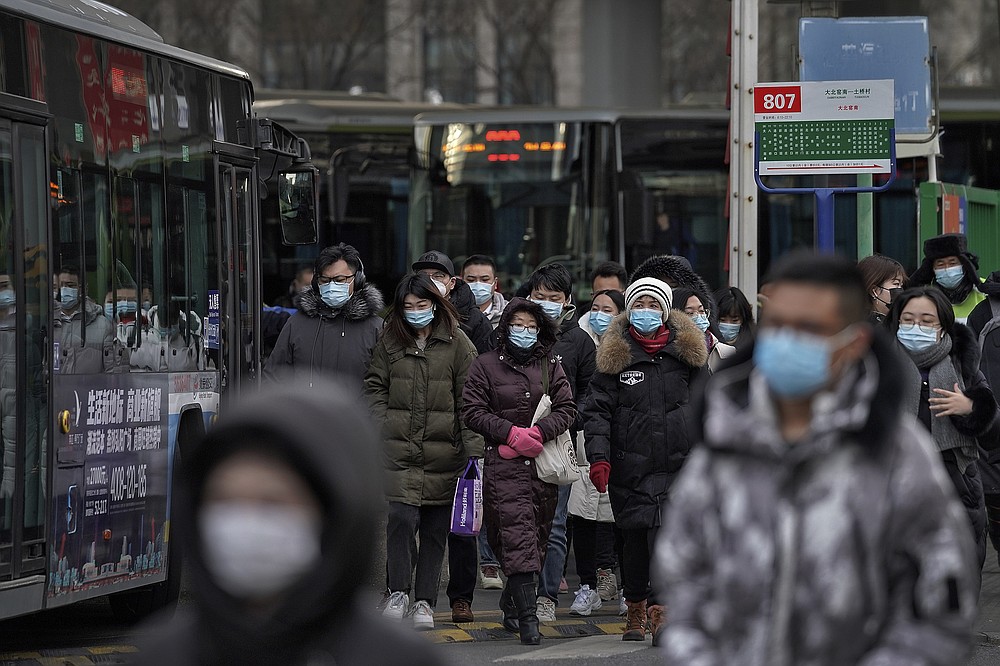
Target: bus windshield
673 186
513 191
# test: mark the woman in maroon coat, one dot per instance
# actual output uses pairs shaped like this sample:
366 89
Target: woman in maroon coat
501 392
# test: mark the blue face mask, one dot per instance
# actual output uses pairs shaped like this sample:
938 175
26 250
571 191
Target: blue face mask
950 277
599 321
335 295
109 310
729 331
146 305
483 291
645 321
524 339
419 318
795 365
7 298
552 310
69 296
701 321
916 339
126 307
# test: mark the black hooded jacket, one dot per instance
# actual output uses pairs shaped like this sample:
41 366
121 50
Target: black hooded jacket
327 437
472 321
319 341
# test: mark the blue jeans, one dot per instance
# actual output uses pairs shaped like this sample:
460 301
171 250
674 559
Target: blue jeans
486 556
555 553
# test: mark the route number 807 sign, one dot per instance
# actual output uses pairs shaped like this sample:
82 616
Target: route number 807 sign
824 127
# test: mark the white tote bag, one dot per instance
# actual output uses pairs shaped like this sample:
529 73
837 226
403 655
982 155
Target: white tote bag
557 461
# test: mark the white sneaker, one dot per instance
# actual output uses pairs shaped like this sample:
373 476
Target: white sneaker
395 607
623 607
607 584
587 600
423 616
491 577
545 609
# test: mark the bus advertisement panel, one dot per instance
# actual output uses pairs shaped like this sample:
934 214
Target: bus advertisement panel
110 484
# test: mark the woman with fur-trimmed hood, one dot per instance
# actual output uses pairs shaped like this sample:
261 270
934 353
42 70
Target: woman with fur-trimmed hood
635 426
337 324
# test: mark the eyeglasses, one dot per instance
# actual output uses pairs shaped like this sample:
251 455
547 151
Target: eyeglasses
700 311
925 327
439 276
339 279
517 328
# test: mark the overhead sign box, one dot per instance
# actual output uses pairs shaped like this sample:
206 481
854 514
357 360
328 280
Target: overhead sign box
895 48
824 127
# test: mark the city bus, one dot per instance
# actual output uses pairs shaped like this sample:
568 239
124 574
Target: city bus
129 290
362 145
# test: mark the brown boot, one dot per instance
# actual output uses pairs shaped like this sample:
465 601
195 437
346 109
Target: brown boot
635 621
657 616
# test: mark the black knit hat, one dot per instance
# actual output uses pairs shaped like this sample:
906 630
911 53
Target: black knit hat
946 245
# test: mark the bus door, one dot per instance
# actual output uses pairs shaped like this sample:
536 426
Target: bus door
25 304
239 318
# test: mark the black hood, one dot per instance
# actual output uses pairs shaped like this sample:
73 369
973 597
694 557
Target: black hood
363 303
991 287
324 434
463 299
547 330
677 271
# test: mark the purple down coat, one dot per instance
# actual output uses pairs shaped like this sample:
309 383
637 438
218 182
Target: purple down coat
500 393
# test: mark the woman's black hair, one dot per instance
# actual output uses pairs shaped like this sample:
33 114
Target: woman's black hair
617 297
878 269
421 286
547 329
681 296
733 303
945 311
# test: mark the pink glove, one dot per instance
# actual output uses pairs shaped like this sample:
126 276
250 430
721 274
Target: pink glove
523 441
506 452
536 434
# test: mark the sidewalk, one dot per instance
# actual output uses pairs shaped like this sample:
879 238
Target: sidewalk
487 627
988 625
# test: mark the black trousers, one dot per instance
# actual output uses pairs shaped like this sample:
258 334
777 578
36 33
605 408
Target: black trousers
993 518
463 567
403 556
637 552
594 547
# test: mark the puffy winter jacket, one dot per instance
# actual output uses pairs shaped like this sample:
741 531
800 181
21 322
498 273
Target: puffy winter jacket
78 355
416 396
499 394
575 351
320 341
637 412
474 323
848 547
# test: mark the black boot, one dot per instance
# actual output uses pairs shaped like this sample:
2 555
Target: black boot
509 609
524 600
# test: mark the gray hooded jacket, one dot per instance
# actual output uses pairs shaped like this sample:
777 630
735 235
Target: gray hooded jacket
848 547
318 341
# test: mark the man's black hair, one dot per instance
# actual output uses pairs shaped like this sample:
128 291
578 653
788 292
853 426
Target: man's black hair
825 270
335 253
480 260
611 269
553 277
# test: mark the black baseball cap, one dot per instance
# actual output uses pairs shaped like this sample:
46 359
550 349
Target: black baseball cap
435 259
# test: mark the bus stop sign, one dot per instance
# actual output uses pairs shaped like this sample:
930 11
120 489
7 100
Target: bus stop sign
824 127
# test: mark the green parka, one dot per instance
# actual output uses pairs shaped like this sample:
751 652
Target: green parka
416 396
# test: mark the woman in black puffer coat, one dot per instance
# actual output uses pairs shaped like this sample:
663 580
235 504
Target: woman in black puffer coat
501 394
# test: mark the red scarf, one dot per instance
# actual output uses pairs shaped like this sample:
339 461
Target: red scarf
654 344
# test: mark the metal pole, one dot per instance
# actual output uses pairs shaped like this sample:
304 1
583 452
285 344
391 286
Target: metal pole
743 211
824 221
866 218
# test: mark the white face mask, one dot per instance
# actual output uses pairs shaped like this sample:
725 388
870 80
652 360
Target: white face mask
442 287
254 551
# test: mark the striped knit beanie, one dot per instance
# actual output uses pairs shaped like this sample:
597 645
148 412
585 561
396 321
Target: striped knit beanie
648 286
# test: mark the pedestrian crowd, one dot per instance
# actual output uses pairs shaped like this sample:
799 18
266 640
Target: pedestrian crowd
811 479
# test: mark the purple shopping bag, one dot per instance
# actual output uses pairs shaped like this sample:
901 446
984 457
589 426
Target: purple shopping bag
467 507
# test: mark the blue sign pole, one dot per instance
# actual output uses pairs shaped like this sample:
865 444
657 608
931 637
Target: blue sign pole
824 220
